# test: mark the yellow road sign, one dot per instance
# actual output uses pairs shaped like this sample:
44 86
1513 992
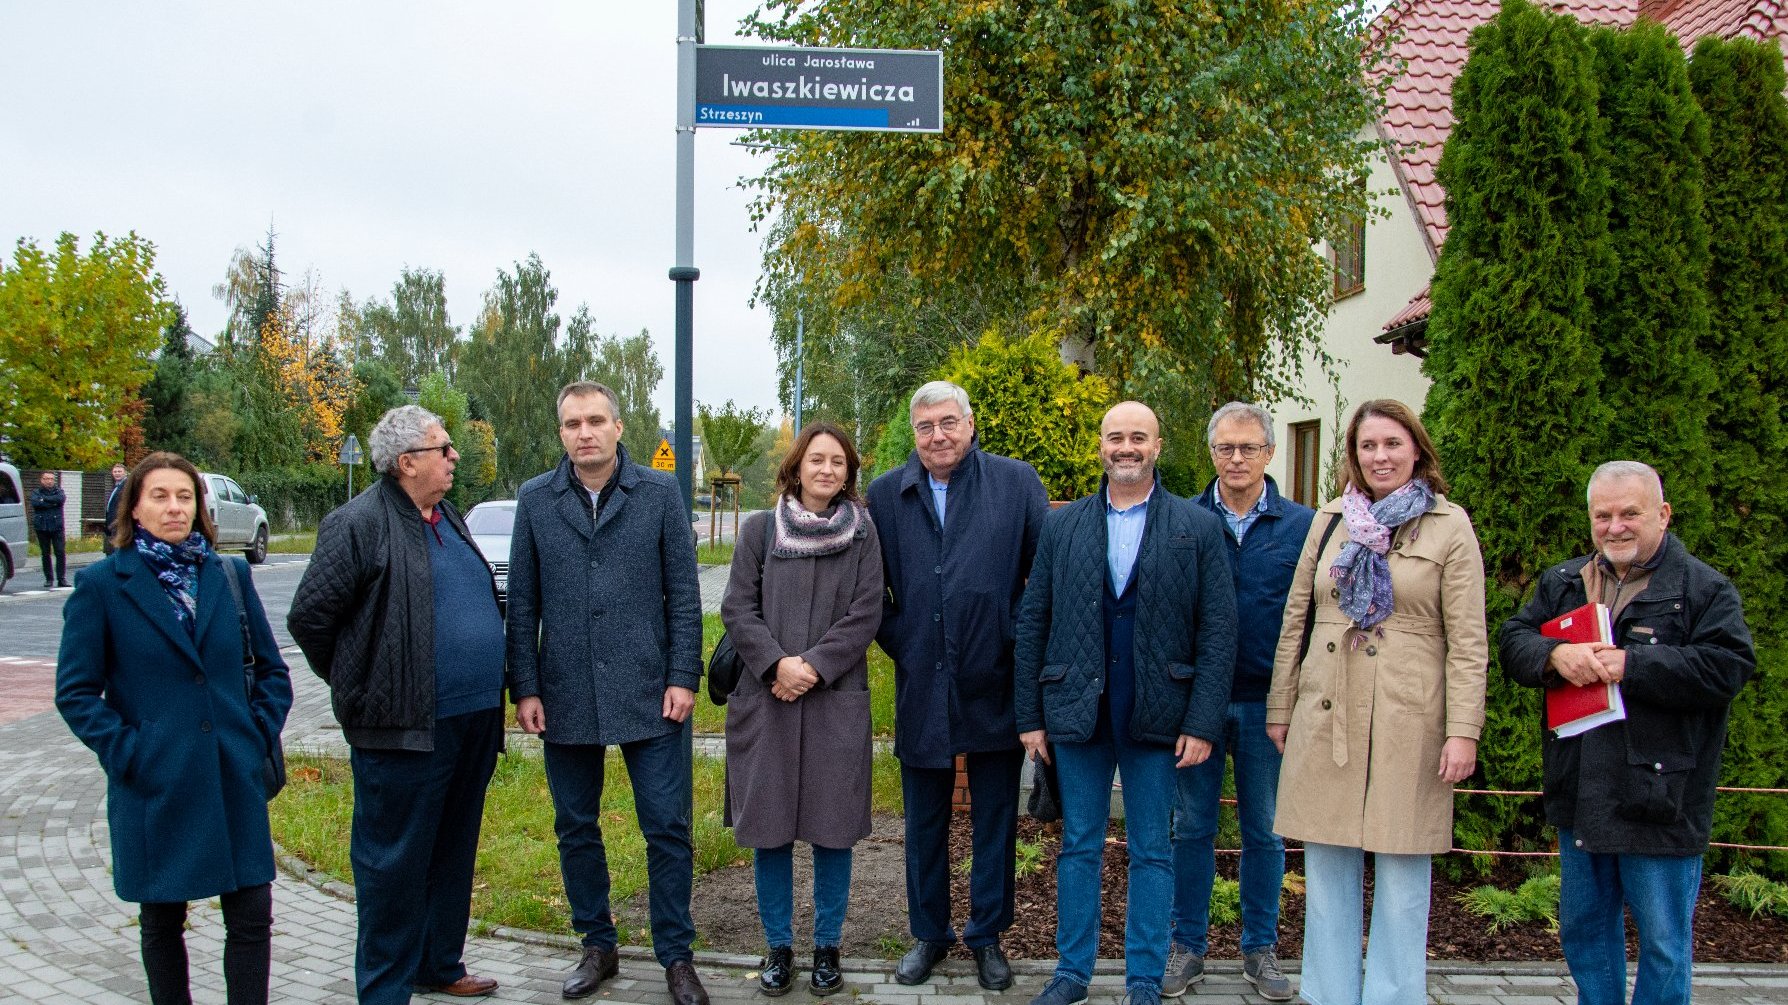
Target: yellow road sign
664 459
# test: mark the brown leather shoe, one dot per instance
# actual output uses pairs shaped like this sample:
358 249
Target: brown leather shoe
469 986
596 966
685 987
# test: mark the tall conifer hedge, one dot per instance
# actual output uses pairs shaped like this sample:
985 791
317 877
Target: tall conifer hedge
1651 308
1739 85
1516 406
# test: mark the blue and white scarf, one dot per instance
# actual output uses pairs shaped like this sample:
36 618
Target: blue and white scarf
1361 570
176 568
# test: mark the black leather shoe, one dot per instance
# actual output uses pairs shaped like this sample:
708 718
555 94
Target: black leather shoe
779 971
915 966
991 968
685 987
827 977
597 965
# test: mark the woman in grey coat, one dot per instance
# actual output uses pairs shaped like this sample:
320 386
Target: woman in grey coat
797 727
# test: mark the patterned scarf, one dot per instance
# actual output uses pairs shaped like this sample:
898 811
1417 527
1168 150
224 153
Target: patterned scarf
1361 570
802 534
176 568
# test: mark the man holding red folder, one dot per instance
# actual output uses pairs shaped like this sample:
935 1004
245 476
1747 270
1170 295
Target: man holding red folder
1633 799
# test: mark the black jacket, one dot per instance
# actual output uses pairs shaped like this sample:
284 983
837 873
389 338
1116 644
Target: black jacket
364 615
46 509
1644 785
1185 624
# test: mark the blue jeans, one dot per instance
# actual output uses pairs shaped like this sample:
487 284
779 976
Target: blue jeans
1660 890
774 869
413 846
993 823
1085 771
1397 951
1195 833
659 768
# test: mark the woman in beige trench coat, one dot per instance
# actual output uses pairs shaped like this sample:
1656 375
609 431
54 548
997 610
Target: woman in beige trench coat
1380 716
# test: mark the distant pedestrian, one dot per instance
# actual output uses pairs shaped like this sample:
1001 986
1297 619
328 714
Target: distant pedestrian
118 473
605 650
151 677
801 614
47 501
397 613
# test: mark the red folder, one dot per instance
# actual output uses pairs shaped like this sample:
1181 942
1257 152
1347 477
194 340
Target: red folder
1577 708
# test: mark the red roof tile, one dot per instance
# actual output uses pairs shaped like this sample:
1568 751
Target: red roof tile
1428 38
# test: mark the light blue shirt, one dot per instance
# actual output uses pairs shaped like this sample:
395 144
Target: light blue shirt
1123 537
938 491
1238 525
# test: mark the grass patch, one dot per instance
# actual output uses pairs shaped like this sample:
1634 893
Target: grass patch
71 546
715 554
517 881
711 718
296 543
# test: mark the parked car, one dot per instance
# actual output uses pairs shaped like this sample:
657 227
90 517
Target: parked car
241 522
491 524
14 528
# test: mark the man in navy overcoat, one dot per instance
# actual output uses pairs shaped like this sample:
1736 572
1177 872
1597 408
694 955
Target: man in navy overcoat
958 528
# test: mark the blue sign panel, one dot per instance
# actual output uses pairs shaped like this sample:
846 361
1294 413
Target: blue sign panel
887 90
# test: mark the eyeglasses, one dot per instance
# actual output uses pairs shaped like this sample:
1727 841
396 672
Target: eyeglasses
444 448
946 426
1247 450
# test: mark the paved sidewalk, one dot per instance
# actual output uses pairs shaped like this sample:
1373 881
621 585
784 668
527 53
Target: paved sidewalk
64 937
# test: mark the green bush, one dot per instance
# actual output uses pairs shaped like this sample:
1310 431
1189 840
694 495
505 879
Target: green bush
1753 894
1535 900
1030 404
296 497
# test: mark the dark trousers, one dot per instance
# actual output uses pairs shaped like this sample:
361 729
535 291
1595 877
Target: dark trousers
416 818
993 818
659 769
248 924
48 541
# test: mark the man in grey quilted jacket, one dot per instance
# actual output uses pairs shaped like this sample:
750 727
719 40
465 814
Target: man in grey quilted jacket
1126 645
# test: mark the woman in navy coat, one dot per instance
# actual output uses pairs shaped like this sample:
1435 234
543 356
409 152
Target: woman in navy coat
151 677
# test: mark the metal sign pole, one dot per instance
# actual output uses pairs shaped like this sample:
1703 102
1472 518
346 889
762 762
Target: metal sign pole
684 273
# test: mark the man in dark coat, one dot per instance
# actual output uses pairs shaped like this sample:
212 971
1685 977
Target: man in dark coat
1126 644
397 612
118 473
605 647
1265 533
958 528
47 500
1633 799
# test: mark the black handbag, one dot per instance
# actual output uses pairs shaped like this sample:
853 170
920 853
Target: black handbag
725 666
1045 804
273 769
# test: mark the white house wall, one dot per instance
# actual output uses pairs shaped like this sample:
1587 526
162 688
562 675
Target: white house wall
1397 268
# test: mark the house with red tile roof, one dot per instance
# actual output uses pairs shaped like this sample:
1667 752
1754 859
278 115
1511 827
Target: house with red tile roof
1376 326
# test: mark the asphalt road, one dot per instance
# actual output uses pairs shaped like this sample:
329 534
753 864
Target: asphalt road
31 619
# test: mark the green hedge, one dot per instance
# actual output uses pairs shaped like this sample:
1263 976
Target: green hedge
299 497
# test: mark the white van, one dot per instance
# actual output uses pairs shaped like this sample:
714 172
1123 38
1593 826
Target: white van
15 530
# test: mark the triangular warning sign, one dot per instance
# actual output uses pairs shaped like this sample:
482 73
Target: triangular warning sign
664 458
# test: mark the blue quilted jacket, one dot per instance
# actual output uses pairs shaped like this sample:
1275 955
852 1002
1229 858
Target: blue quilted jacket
1185 624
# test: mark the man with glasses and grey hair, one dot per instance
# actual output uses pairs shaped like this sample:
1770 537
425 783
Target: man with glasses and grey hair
1265 533
605 649
958 528
397 612
1633 799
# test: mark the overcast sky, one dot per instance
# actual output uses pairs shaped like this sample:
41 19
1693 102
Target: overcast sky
373 135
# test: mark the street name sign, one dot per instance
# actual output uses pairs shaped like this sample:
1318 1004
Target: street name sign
762 87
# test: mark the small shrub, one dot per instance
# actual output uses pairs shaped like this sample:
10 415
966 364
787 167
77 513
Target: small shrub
1753 893
1226 902
1030 856
1535 900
